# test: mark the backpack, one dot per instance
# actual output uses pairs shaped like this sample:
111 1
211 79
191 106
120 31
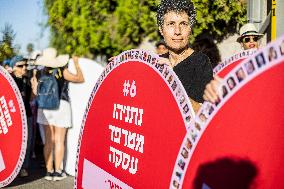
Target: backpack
48 92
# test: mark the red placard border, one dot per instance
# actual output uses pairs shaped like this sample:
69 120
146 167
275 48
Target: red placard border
150 59
21 159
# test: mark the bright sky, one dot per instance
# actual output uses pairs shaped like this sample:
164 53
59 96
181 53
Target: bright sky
25 16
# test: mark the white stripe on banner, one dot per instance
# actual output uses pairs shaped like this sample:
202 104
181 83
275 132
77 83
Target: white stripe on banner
2 165
95 177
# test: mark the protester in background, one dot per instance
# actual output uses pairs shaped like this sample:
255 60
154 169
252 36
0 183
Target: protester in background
36 72
175 20
19 71
56 121
161 47
204 43
32 69
6 65
249 37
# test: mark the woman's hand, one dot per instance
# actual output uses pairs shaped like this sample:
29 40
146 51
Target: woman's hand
111 58
75 78
164 61
212 90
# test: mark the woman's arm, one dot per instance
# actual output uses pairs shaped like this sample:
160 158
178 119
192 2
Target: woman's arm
34 84
75 78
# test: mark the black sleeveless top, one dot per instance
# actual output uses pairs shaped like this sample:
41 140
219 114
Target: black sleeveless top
194 72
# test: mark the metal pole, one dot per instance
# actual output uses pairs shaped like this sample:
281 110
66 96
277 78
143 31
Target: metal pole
255 12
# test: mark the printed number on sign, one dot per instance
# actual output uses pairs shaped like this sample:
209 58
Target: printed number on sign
129 89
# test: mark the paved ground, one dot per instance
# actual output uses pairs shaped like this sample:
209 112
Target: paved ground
40 183
35 179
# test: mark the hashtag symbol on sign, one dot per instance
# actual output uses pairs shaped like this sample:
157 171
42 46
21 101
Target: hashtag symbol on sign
126 87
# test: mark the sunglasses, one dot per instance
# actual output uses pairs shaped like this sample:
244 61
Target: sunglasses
248 39
20 66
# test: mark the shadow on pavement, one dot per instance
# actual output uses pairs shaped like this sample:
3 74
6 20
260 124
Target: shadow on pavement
36 171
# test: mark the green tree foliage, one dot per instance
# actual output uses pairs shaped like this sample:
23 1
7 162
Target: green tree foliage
7 48
95 27
219 18
107 27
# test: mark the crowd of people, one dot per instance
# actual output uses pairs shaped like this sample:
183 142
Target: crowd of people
175 20
28 73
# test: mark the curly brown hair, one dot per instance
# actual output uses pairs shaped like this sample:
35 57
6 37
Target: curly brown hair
176 6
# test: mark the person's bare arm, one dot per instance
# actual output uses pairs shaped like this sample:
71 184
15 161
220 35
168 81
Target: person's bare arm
75 78
34 84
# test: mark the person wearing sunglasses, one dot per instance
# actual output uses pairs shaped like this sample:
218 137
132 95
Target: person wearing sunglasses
19 74
249 37
18 65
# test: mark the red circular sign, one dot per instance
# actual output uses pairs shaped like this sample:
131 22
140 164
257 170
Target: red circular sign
244 141
134 126
240 139
13 129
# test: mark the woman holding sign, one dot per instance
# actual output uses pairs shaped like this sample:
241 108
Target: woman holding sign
175 20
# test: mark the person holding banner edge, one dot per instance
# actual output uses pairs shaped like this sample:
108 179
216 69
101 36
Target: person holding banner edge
176 20
249 39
